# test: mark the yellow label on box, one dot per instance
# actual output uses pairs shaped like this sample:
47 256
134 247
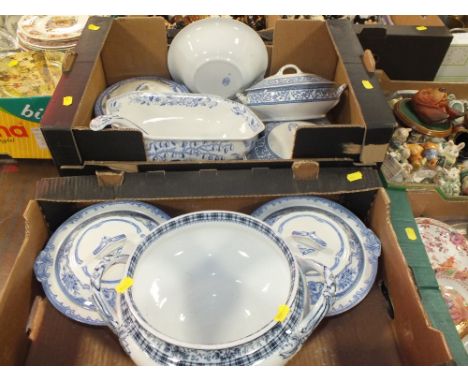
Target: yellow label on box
67 101
22 138
126 283
93 27
283 311
367 84
411 233
421 28
352 177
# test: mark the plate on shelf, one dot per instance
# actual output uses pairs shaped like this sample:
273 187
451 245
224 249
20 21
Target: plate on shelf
330 234
47 28
80 242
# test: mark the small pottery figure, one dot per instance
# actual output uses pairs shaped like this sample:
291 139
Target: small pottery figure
399 137
416 137
448 181
431 153
416 158
431 106
449 153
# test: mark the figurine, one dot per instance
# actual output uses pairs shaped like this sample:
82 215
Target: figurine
431 106
431 153
416 158
448 181
464 177
449 153
399 137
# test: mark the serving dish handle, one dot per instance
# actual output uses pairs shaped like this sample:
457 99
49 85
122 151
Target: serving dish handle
108 313
322 302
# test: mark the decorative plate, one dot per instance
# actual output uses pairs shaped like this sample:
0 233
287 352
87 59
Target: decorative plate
332 235
447 249
403 111
48 28
84 238
455 294
151 84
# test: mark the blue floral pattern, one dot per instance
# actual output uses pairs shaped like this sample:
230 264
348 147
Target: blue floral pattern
280 96
309 80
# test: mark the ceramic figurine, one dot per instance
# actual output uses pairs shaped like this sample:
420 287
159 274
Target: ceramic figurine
449 153
399 137
431 154
416 137
416 158
406 170
448 181
431 106
464 177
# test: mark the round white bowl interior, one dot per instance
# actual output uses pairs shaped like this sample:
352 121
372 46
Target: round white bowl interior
217 56
212 284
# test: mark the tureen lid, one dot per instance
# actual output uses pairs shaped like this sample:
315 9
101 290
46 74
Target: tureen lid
298 79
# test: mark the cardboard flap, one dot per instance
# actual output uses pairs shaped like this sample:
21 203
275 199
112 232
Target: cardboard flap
215 183
128 37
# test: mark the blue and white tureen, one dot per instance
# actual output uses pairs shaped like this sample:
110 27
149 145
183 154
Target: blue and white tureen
214 288
290 97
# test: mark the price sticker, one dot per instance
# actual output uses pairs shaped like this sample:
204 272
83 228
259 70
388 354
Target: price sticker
367 84
421 28
67 100
12 63
283 311
124 284
352 177
411 233
93 27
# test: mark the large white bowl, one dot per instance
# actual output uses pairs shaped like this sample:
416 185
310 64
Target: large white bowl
217 56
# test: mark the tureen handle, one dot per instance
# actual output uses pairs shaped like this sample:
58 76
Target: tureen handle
322 302
105 120
105 309
289 66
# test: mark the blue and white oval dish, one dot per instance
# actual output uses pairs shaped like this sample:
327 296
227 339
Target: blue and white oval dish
151 84
71 254
184 126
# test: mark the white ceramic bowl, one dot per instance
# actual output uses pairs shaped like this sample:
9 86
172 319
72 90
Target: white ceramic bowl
217 55
213 287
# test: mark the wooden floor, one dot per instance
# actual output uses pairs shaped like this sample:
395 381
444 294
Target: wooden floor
17 186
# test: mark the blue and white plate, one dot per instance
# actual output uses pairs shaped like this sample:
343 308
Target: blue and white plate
330 234
140 84
80 242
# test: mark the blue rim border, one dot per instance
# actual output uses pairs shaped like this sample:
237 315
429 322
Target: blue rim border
44 273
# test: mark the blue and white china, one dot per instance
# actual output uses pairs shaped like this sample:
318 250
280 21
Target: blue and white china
217 55
214 288
184 126
83 239
150 84
292 97
278 141
331 235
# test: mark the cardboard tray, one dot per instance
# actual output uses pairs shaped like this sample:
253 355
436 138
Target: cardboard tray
405 206
389 87
389 327
133 46
406 52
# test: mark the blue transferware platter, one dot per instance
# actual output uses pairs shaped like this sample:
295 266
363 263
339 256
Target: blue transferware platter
80 242
141 84
332 235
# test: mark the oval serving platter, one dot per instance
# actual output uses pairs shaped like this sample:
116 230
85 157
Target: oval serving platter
320 222
56 272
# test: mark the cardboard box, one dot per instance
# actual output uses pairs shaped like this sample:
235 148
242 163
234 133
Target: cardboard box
406 51
405 206
389 87
388 328
454 67
20 135
133 46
